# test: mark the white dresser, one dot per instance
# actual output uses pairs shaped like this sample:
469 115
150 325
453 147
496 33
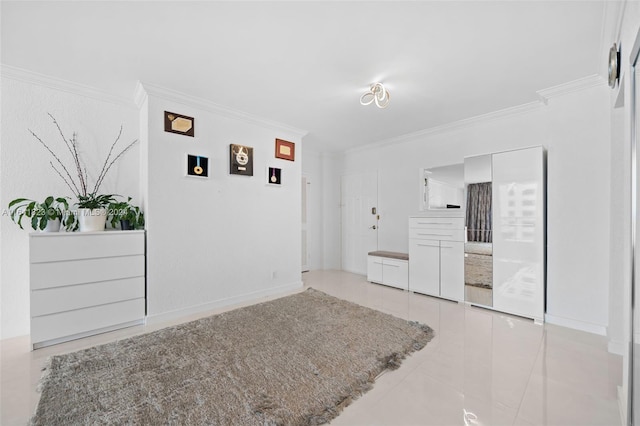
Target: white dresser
85 283
436 254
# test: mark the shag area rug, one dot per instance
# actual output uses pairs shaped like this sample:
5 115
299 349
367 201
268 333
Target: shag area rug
297 360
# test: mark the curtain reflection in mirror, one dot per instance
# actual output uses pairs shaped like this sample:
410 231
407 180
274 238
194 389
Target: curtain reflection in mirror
479 212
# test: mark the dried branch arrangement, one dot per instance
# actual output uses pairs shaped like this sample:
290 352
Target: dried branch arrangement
79 184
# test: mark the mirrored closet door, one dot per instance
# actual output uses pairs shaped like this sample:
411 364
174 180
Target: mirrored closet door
478 247
504 255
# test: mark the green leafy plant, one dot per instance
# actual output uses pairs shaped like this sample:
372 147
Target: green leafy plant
124 211
41 213
93 201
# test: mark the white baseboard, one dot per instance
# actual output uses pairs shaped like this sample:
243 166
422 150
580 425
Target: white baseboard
576 324
221 303
77 336
616 347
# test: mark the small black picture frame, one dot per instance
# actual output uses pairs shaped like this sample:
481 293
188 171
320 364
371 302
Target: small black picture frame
274 176
240 160
197 166
178 123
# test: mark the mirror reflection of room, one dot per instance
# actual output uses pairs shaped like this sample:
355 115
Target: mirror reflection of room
443 187
478 257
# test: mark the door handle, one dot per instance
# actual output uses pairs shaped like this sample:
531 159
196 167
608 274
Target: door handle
373 227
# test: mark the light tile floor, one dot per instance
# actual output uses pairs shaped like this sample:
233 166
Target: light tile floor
481 368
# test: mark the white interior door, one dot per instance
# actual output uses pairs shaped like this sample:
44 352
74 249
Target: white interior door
305 214
359 193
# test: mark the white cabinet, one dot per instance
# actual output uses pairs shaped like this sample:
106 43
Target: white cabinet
85 283
424 268
519 232
452 270
436 255
374 269
388 268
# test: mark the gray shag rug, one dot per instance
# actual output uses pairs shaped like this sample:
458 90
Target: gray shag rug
298 360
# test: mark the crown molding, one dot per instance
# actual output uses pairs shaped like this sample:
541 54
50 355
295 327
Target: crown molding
140 95
143 90
584 83
594 80
32 77
456 125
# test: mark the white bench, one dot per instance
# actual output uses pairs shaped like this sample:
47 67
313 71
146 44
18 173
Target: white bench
388 268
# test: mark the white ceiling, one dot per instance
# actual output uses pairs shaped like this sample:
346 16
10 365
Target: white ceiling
305 64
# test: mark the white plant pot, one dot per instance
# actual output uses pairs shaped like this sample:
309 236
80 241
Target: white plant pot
52 226
92 220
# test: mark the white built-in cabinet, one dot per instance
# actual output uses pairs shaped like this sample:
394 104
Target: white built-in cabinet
436 254
85 283
388 268
518 201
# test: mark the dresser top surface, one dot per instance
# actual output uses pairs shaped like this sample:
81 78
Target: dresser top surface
439 213
76 234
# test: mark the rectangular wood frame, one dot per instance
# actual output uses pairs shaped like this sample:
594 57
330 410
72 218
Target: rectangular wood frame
285 150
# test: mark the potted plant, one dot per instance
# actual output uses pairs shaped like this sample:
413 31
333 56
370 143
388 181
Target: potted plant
45 216
92 213
128 215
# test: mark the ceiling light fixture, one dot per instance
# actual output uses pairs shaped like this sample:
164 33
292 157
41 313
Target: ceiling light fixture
378 94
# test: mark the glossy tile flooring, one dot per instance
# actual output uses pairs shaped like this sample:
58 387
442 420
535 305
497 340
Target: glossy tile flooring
481 368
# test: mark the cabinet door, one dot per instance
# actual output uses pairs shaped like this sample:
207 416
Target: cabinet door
424 266
518 232
395 273
374 269
452 270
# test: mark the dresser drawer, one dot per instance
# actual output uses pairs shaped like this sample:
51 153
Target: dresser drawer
61 299
58 274
64 324
436 222
53 247
436 234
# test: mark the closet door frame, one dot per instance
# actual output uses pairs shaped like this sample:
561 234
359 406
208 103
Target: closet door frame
631 387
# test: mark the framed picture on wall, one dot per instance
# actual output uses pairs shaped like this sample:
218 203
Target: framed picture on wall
178 123
285 150
241 160
197 165
274 176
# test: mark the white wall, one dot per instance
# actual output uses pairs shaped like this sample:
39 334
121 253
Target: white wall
312 168
331 217
222 239
398 165
574 127
619 231
25 169
578 212
234 237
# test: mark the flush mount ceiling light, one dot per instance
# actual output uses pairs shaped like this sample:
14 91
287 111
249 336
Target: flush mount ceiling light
378 94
